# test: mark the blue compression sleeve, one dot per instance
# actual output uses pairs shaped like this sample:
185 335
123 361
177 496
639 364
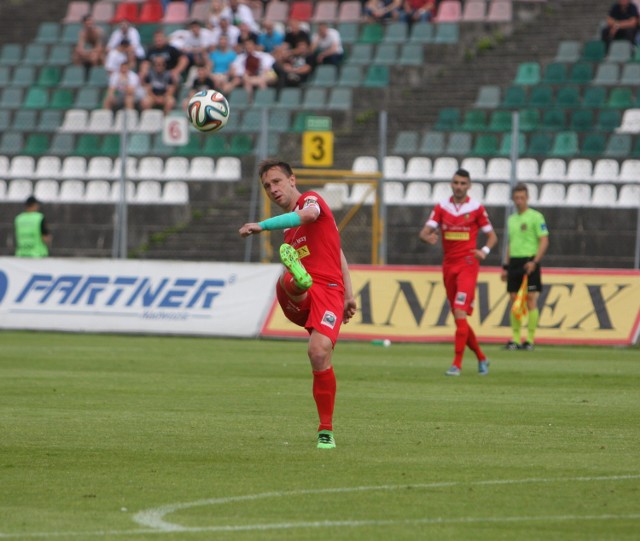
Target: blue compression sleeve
291 219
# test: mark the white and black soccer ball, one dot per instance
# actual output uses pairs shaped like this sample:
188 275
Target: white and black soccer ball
208 111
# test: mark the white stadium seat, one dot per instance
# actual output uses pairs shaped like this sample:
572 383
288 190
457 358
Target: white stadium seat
418 193
3 190
175 192
444 168
130 190
578 195
629 196
46 190
202 168
176 168
418 168
498 193
440 191
533 192
148 192
98 191
579 170
528 169
604 195
228 168
393 192
498 169
73 167
75 120
364 194
71 191
553 170
150 168
630 122
100 121
19 190
132 120
393 167
552 194
48 167
365 164
100 167
338 192
476 191
606 170
4 166
151 121
630 171
22 167
476 168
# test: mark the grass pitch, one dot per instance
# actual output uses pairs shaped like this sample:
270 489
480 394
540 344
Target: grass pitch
148 438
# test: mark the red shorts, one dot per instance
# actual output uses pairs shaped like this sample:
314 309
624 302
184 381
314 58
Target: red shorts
322 309
460 280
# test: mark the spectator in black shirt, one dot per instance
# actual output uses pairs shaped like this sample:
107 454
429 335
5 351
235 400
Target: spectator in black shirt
295 35
175 61
203 81
160 87
622 22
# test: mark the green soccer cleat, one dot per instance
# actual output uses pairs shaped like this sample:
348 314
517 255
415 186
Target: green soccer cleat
291 260
325 440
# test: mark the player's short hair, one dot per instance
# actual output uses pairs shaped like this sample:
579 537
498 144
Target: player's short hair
462 173
520 187
270 163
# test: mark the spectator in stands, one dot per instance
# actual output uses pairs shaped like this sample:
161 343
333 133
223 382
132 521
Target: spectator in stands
326 44
294 69
197 44
124 89
251 69
175 61
382 11
32 234
225 28
417 11
295 34
622 22
126 31
216 12
221 59
89 50
238 13
244 35
269 38
160 87
118 55
203 81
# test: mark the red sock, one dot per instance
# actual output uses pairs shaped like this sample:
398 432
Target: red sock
462 333
324 393
473 344
290 286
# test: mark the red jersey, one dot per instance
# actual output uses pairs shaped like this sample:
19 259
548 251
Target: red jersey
459 225
318 243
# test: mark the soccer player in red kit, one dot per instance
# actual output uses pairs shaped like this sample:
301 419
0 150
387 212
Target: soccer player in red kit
315 290
460 218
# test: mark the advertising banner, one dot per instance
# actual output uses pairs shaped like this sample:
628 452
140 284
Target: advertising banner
408 304
162 297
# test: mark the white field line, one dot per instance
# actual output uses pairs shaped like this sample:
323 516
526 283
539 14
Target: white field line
153 518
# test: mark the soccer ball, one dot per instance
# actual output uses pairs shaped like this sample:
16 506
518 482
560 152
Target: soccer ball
208 111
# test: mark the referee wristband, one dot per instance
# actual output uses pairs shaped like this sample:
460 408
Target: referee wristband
486 250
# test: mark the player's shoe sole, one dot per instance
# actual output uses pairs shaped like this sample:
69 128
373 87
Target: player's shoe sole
527 346
453 371
325 440
512 346
291 260
483 367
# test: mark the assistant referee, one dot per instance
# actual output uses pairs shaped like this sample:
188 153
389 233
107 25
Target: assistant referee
528 242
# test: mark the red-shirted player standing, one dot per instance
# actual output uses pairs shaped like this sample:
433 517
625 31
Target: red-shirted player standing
317 295
459 218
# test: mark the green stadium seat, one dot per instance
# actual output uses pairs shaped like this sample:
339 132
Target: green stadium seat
99 77
581 73
593 145
594 97
239 99
351 76
70 33
325 76
86 98
406 143
24 120
11 143
215 146
110 145
553 120
299 121
73 77
279 120
376 77
88 144
361 54
61 98
240 145
555 74
636 55
529 120
264 97
35 54
191 149
314 98
505 144
5 76
485 146
448 119
582 120
411 54
48 77
396 32
539 144
515 97
386 54
459 144
289 98
62 144
422 33
146 32
50 120
60 55
474 120
618 146
5 120
568 52
609 120
11 54
619 51
488 97
630 75
432 144
565 145
541 97
528 74
37 144
48 33
568 97
606 74
446 33
251 121
341 99
620 98
348 32
23 76
12 98
500 121
594 51
635 153
371 33
36 98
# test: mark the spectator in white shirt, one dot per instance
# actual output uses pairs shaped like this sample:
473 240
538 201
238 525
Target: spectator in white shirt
241 13
119 54
124 89
226 28
326 44
251 69
130 33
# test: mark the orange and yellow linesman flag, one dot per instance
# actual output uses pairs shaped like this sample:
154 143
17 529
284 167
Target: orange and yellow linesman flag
519 308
